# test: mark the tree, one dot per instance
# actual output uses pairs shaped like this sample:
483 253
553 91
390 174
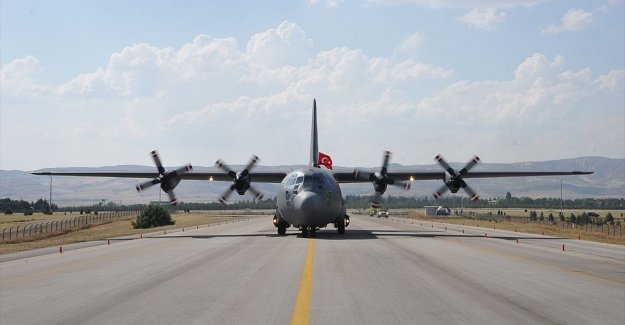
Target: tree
533 216
609 218
154 215
508 196
551 217
572 218
542 216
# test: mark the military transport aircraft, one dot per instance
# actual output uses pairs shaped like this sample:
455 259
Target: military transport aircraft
310 198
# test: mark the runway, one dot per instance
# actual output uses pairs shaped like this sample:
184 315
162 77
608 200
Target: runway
380 272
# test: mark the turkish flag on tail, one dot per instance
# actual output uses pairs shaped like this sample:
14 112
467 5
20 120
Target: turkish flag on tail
325 160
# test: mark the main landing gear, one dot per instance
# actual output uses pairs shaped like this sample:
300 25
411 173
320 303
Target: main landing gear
341 224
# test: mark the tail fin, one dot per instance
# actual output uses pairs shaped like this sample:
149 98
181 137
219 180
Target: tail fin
314 144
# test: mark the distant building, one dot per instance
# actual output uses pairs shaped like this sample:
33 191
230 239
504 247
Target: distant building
435 210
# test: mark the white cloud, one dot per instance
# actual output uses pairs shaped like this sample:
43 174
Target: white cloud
328 3
483 18
612 81
285 45
18 78
437 4
538 92
573 20
411 43
225 97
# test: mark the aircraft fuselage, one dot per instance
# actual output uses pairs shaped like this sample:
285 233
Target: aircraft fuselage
310 197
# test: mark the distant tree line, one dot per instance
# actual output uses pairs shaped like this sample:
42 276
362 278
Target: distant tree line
8 206
401 202
352 202
238 205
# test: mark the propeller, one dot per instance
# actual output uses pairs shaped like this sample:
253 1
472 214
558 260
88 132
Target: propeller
168 179
380 180
453 179
241 181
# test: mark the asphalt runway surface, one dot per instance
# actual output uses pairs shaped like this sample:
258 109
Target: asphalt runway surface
380 272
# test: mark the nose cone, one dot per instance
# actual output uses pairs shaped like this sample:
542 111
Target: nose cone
311 208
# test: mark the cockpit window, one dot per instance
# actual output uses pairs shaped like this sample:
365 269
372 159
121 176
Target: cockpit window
291 181
300 179
307 179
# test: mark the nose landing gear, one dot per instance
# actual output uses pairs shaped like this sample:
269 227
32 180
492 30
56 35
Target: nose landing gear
309 230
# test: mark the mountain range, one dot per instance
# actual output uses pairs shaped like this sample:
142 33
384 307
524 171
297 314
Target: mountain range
608 180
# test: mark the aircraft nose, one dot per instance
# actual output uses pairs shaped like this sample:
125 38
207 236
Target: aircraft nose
310 205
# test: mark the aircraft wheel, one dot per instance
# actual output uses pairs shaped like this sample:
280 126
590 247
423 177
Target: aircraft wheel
313 231
341 227
281 229
304 231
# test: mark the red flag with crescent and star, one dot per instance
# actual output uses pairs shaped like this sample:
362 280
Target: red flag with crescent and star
325 160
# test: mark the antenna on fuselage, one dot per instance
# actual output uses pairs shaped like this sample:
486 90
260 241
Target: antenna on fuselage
314 144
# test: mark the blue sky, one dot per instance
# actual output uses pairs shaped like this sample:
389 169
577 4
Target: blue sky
92 83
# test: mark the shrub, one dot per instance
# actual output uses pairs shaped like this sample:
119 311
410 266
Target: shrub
28 212
8 211
154 215
609 218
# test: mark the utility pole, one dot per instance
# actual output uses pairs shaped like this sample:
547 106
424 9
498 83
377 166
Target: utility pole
561 197
50 202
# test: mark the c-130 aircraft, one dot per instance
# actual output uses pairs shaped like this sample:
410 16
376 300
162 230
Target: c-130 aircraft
310 198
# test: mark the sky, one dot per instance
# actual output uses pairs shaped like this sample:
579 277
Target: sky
100 83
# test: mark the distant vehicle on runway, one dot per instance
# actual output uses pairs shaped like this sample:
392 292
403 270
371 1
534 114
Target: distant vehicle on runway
383 213
310 197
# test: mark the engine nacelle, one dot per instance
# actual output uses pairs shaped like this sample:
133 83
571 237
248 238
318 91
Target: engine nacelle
242 183
169 181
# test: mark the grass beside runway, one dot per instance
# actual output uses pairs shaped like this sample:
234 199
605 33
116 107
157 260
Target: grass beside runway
117 228
531 228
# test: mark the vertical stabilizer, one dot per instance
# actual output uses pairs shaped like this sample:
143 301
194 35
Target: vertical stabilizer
314 145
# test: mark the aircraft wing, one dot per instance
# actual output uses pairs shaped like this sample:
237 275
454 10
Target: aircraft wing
523 174
217 175
416 175
349 177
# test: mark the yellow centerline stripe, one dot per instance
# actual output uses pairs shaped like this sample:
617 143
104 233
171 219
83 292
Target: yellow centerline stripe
301 310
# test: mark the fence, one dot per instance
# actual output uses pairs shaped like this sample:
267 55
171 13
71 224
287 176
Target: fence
612 230
53 226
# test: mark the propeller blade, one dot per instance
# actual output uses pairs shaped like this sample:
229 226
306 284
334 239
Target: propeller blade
385 160
258 195
250 164
403 184
440 191
376 200
224 197
184 169
470 165
471 192
157 162
148 184
172 198
362 175
222 165
442 162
